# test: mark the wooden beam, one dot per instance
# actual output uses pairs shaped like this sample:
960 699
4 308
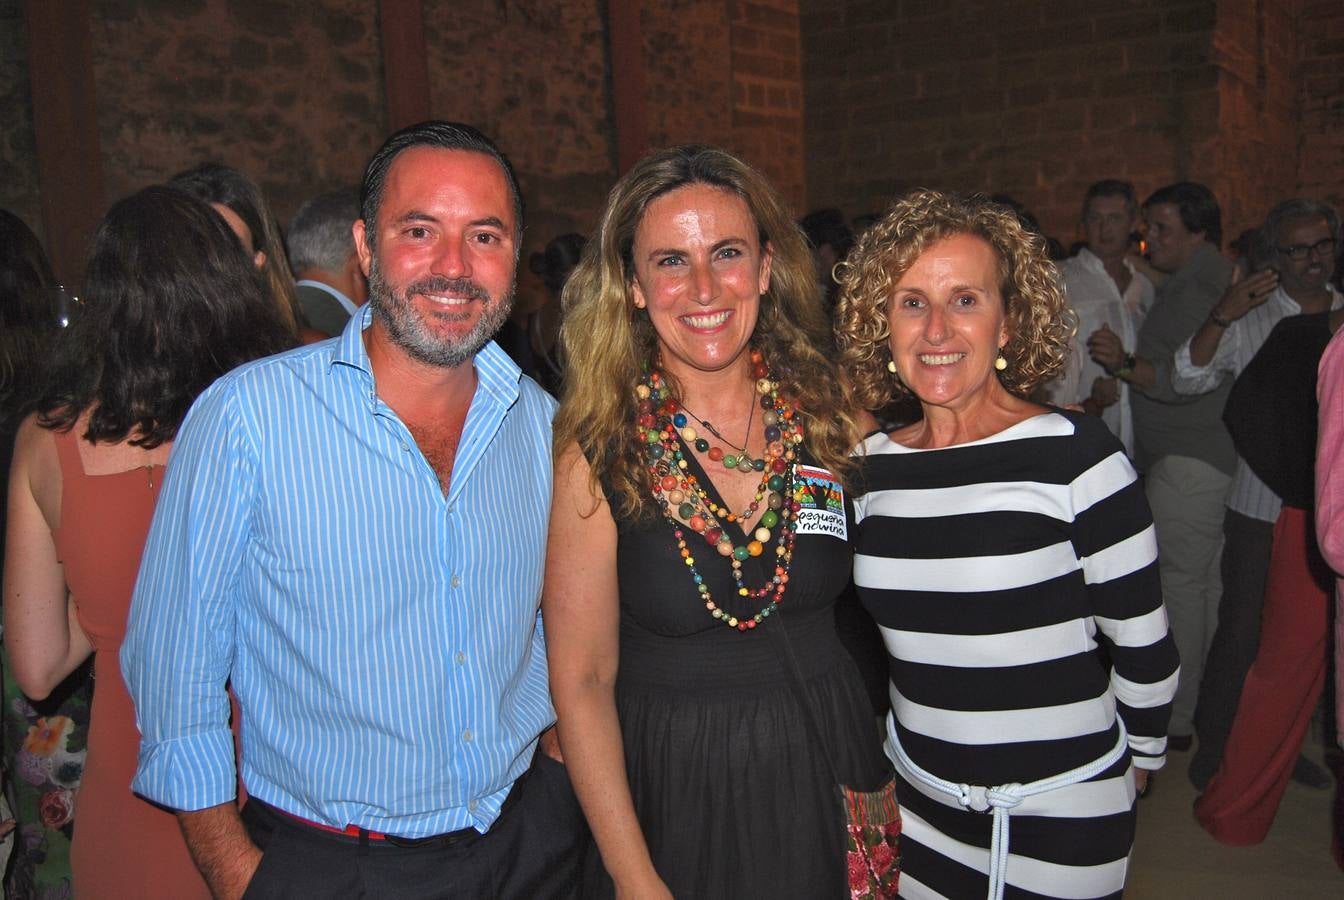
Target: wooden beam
65 128
405 64
627 82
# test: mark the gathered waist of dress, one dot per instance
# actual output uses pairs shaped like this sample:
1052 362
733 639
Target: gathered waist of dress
723 660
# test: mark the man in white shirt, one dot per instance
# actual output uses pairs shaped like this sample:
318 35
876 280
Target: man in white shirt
1105 291
1293 260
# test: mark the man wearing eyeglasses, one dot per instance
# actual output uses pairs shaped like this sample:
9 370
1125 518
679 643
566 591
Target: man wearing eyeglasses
1293 259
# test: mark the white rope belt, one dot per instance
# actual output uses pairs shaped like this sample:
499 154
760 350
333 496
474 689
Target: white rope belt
1001 800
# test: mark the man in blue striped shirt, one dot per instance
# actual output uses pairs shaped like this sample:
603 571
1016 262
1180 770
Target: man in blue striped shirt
352 535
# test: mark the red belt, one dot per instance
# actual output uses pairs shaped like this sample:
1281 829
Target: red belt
355 831
349 830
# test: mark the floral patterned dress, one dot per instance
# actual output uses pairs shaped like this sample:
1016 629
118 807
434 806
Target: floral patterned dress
45 745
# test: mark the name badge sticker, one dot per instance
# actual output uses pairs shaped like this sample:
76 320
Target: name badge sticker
821 502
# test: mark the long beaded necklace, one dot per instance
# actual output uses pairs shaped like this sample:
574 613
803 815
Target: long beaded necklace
686 504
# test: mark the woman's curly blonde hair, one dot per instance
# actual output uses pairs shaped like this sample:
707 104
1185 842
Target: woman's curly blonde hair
606 341
1040 325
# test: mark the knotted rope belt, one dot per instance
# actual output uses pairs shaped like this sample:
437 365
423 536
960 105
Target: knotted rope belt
1001 800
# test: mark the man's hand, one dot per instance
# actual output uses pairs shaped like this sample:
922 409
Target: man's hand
1105 348
549 742
221 849
1105 391
1245 294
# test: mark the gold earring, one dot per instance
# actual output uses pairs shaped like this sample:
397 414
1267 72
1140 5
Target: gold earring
891 366
1000 363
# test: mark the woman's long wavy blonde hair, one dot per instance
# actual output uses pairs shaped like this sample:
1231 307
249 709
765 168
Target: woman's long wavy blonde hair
606 340
1039 323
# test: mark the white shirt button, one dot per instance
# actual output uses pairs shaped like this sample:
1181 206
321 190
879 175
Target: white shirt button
466 735
461 657
456 582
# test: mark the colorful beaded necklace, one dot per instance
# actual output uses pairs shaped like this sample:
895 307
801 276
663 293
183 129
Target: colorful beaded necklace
686 504
742 461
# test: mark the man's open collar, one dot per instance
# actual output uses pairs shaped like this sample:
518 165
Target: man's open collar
499 376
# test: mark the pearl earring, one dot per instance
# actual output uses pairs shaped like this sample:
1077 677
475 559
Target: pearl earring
1000 364
891 366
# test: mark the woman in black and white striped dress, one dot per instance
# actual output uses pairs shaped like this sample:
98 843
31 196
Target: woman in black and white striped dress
1008 555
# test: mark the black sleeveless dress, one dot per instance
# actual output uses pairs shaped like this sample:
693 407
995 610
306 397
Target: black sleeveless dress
733 794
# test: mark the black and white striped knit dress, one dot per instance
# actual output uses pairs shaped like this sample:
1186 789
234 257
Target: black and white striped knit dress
1015 582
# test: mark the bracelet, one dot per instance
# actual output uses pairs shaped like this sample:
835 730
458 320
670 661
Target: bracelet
1127 367
1219 320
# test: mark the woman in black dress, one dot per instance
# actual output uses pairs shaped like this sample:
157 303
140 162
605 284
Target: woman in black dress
700 503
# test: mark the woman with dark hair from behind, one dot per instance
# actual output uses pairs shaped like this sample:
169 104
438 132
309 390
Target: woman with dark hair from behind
171 304
42 764
239 201
28 314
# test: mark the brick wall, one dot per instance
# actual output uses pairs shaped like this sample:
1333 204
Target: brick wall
841 102
533 77
1035 99
727 72
688 91
18 151
1321 147
1255 155
293 93
768 92
290 94
1038 99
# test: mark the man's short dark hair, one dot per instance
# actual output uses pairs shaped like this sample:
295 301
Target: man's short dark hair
439 135
1111 187
320 236
1198 207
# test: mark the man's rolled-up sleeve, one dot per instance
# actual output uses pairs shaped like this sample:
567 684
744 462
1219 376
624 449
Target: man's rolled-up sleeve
179 644
1192 380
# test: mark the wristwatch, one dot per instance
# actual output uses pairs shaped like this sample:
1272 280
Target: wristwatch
1126 367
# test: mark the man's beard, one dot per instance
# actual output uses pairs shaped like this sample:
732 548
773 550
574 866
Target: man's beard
407 328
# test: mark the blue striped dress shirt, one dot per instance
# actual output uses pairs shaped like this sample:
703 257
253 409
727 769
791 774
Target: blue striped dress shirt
383 640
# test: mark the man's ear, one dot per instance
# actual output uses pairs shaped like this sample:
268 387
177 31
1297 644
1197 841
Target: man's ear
362 247
358 282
